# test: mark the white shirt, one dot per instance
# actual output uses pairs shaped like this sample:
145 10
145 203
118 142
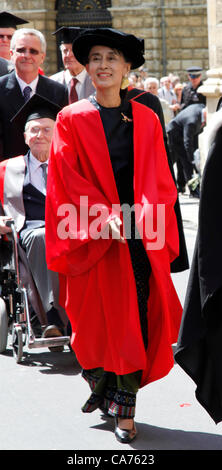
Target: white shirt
35 173
32 85
167 95
80 77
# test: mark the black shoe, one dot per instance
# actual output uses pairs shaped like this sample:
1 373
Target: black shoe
124 435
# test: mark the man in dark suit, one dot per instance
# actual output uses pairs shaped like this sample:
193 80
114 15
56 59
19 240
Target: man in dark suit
182 132
74 76
28 49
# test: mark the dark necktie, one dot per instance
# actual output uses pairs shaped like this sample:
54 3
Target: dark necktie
73 94
26 92
44 167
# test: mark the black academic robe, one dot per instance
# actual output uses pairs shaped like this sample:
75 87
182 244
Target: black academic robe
219 104
199 346
181 263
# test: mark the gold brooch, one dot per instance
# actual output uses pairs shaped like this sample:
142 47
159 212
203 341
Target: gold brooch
126 118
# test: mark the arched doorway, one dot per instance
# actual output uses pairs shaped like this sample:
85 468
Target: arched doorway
83 13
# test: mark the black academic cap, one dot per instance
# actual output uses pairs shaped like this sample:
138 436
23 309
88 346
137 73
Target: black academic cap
7 20
67 34
131 46
36 108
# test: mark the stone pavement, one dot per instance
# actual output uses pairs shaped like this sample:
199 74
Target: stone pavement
41 399
189 210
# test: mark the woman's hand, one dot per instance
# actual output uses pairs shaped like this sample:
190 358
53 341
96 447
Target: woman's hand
114 229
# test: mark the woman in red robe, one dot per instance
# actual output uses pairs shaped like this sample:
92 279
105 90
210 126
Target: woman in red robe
107 155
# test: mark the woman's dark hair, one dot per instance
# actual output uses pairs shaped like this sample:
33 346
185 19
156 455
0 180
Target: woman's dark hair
86 59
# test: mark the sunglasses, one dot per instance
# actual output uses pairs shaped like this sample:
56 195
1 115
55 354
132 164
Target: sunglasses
23 50
191 75
8 36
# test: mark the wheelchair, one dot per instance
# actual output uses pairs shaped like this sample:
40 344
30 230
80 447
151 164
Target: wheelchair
15 305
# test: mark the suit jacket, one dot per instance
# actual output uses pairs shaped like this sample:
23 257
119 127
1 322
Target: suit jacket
5 66
11 194
86 89
11 100
189 123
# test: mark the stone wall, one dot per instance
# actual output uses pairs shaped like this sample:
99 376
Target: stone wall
175 32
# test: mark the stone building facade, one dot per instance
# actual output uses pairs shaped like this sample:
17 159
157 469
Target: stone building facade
175 31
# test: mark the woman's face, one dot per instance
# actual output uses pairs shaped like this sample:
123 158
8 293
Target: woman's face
106 67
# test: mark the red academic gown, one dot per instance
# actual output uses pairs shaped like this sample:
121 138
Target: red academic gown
97 279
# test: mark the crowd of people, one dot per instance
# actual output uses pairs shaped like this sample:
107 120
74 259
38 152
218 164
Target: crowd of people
174 97
96 132
182 129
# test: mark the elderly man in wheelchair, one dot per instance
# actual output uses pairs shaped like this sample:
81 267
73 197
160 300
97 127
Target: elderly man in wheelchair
37 313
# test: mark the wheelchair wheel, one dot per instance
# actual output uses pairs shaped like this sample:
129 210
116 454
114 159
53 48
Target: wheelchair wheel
3 326
17 343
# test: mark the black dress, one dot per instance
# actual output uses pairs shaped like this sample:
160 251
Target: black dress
116 394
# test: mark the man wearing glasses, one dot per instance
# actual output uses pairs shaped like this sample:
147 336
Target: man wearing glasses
8 25
28 51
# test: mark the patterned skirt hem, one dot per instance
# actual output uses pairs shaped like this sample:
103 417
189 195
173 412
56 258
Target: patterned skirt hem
113 402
